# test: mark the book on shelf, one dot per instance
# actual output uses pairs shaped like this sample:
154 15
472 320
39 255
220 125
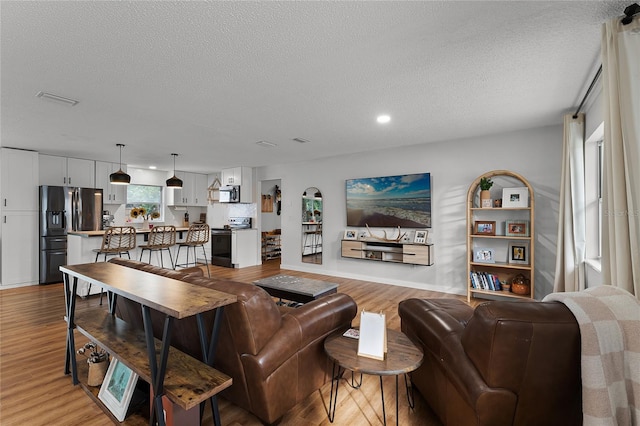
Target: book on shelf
485 281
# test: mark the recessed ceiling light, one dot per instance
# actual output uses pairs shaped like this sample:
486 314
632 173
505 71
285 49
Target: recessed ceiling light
266 144
383 119
56 98
152 167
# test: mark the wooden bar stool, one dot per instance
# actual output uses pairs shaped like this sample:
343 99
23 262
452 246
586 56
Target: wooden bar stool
160 238
197 236
116 241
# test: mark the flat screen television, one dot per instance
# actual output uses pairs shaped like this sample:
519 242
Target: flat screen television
390 201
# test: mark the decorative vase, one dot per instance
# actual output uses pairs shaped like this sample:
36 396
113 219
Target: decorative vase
145 224
520 285
485 198
97 371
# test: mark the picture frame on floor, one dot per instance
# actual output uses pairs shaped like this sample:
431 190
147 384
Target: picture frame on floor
117 388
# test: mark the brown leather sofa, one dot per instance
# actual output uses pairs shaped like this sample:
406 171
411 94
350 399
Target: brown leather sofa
275 357
504 363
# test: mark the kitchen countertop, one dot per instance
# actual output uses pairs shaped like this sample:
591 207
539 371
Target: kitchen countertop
88 234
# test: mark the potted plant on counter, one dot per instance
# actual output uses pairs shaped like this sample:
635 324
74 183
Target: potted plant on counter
145 214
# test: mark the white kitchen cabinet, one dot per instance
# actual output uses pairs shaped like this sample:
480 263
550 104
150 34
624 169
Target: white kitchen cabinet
245 248
19 179
242 176
200 189
179 196
63 171
192 193
111 194
20 264
232 176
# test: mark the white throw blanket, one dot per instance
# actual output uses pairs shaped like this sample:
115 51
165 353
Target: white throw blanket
609 320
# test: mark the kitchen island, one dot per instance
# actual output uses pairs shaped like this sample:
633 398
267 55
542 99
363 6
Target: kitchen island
80 246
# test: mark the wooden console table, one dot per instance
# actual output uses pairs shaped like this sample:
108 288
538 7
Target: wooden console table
184 380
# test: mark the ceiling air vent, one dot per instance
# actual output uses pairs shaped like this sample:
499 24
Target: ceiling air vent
56 98
266 144
300 140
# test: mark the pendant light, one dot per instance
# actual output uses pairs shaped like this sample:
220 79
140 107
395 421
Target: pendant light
174 182
119 177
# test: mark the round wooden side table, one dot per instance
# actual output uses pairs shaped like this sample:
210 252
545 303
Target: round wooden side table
402 357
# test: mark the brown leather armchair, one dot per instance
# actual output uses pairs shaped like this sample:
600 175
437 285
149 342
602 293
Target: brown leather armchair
504 363
275 358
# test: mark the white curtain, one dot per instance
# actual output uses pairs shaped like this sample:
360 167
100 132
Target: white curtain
621 197
571 224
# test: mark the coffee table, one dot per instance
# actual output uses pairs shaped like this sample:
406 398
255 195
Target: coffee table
402 357
296 289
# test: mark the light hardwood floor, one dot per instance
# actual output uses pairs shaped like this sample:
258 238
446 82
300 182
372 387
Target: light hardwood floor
34 390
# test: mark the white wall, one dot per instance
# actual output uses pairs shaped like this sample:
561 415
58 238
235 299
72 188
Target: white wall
535 154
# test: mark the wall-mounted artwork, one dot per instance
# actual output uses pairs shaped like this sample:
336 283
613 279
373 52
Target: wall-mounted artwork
390 201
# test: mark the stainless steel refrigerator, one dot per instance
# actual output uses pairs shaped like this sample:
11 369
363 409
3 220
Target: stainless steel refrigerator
63 209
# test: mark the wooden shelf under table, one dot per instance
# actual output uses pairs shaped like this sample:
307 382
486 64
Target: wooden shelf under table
188 381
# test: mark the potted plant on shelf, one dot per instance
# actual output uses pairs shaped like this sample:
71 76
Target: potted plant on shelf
485 195
98 362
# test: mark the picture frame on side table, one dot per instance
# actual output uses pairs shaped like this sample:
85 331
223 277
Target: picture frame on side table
515 197
420 237
117 388
484 227
518 253
484 255
350 234
516 228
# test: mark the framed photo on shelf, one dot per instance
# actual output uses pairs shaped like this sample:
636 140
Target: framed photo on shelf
117 388
515 197
420 237
483 255
350 234
518 253
484 227
516 228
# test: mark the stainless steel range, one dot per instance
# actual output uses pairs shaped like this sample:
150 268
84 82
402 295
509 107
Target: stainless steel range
221 241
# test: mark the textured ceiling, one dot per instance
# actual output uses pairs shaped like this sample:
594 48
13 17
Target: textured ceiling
209 79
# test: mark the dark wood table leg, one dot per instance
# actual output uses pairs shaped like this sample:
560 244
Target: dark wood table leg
384 413
333 397
112 300
70 287
410 397
158 370
208 347
397 400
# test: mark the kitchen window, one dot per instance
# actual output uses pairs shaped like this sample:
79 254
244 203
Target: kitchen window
147 196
